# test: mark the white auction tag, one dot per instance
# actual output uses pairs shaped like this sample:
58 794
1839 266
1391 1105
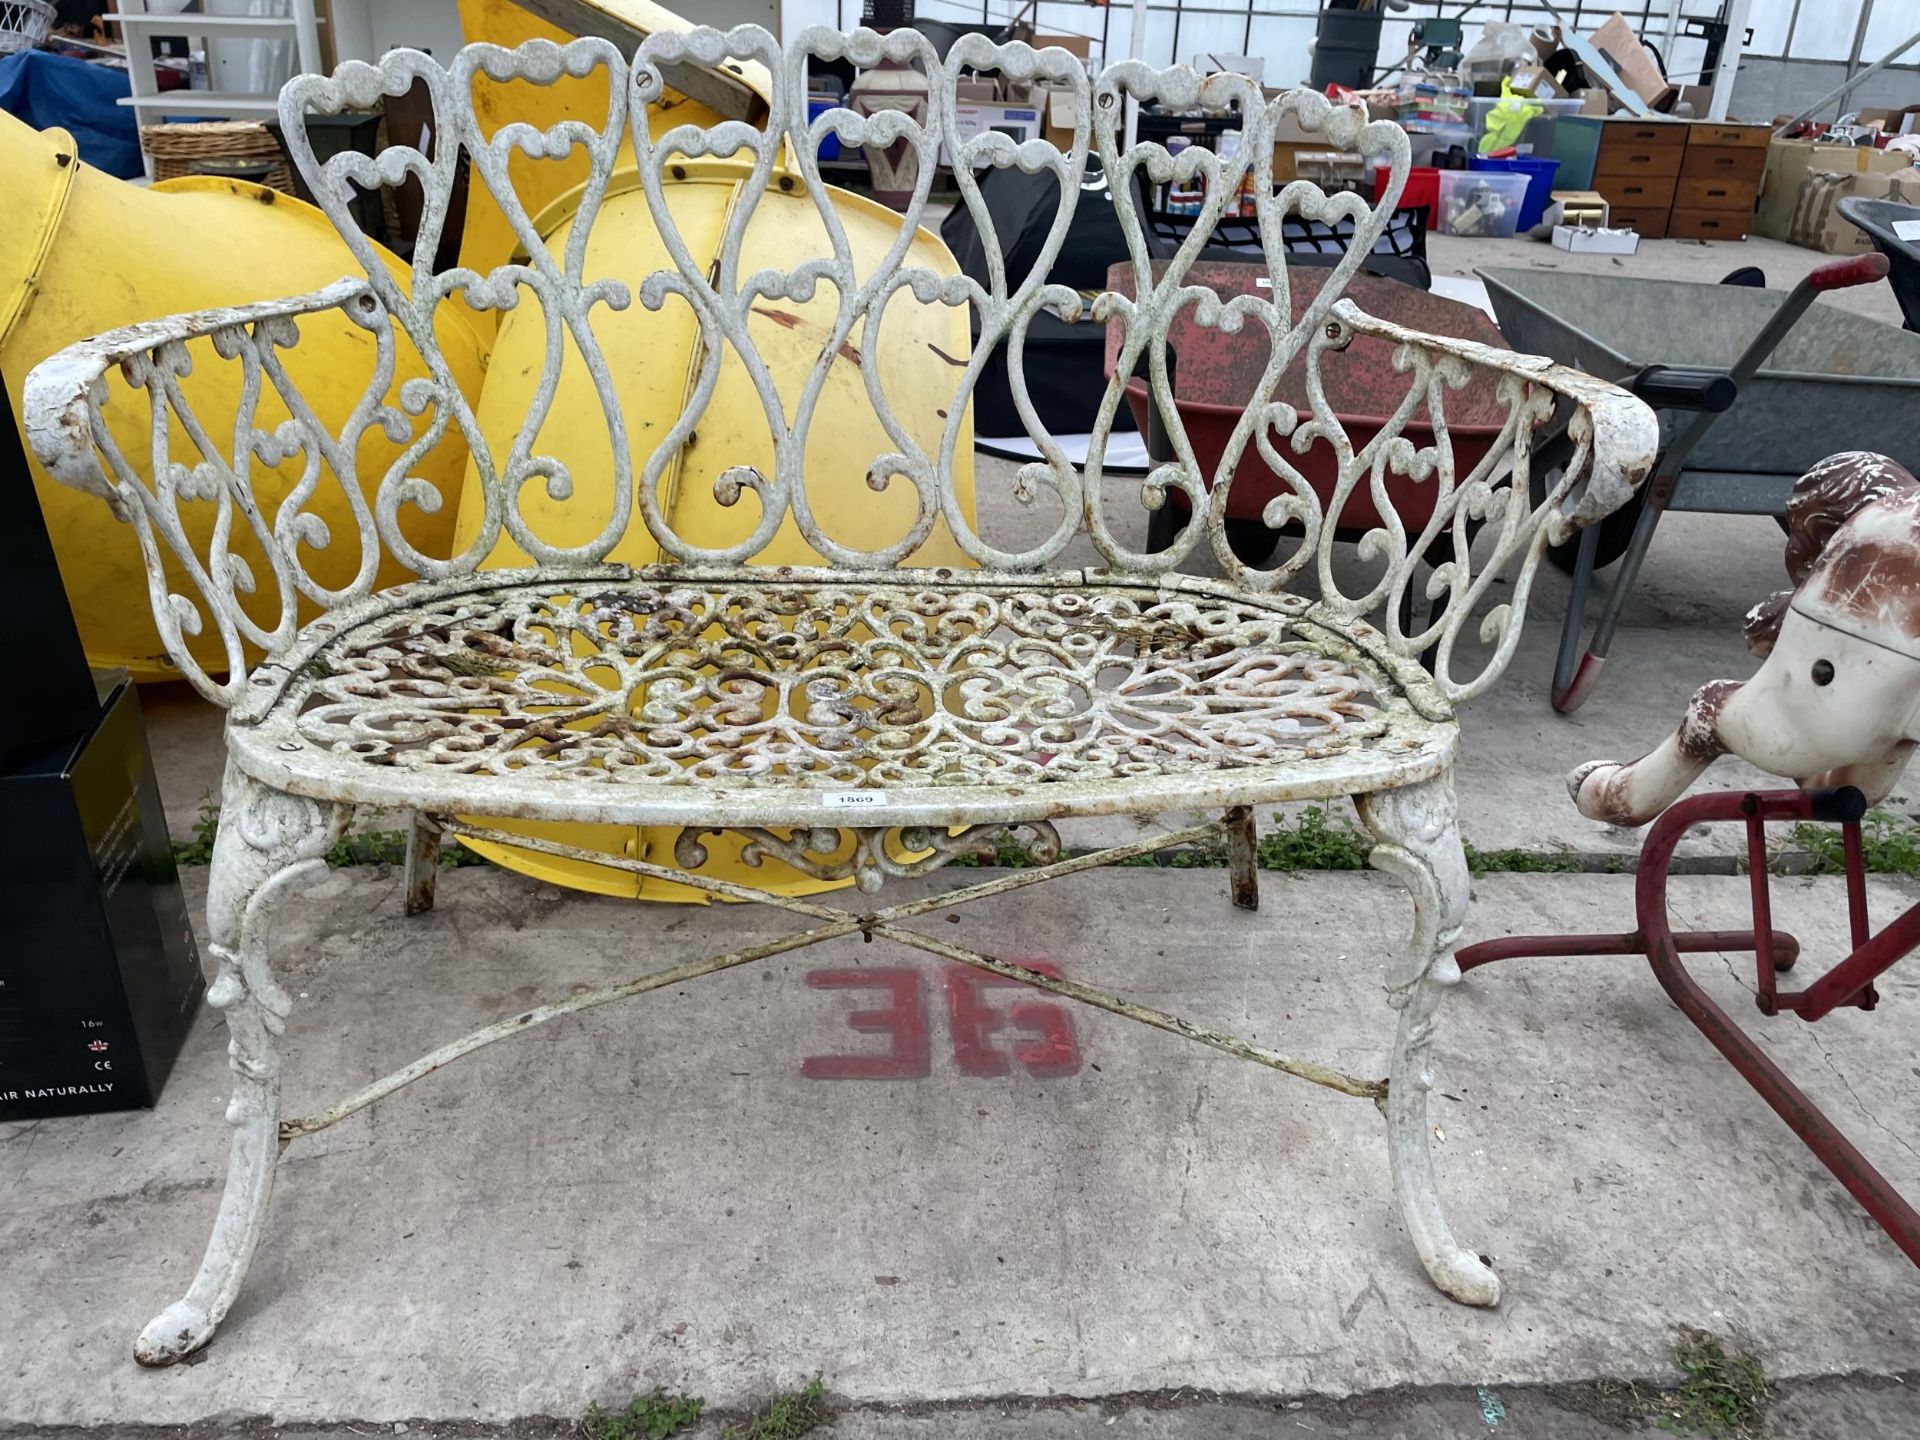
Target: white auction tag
854 799
1907 229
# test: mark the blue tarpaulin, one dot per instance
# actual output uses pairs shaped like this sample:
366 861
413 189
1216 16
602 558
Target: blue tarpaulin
57 90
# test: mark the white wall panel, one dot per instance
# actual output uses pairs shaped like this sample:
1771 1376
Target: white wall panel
1284 42
1892 22
1824 30
1282 30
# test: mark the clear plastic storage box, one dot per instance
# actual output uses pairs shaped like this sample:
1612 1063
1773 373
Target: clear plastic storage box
1537 136
1480 202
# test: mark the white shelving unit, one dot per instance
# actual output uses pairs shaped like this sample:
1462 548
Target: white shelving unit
151 105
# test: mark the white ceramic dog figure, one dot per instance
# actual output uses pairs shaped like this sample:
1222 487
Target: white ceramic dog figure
1838 700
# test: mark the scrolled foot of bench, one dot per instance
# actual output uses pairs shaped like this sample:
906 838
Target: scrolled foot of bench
172 1335
1456 1270
1419 836
268 844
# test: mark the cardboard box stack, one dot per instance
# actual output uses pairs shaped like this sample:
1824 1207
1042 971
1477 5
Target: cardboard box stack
1805 182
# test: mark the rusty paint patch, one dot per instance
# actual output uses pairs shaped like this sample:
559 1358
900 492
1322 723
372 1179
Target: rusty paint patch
785 319
1699 733
1762 624
1243 869
1869 572
1612 798
957 364
1577 777
422 864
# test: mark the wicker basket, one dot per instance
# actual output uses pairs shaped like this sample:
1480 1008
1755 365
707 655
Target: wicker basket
24 24
212 147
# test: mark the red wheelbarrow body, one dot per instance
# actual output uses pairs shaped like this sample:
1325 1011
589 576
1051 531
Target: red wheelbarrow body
1215 375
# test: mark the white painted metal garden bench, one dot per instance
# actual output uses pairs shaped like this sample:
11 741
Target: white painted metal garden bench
863 718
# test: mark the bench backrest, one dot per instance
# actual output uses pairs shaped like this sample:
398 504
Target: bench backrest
1330 478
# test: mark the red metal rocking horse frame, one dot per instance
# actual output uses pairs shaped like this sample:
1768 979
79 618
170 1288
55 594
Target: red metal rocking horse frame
1848 983
1835 707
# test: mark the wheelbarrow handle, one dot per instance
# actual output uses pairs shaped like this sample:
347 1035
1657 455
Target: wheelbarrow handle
1843 274
1834 275
1682 387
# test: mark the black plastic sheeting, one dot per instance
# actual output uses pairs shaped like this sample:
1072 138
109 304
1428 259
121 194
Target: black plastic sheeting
1063 363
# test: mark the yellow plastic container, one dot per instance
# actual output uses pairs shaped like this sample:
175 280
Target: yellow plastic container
488 239
651 355
83 252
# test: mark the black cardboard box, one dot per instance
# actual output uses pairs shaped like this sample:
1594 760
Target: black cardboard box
99 975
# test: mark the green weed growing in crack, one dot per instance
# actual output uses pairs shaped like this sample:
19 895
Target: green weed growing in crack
365 847
199 850
1314 842
654 1416
1518 862
389 847
1008 854
1206 855
1888 844
786 1416
1724 1395
1317 840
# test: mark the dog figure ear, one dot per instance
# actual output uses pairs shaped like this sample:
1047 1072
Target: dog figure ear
1823 500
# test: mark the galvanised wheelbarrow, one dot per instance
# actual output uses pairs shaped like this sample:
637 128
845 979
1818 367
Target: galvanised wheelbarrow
1753 387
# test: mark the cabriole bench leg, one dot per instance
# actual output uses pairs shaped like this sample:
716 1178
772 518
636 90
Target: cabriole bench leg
423 862
1419 836
268 844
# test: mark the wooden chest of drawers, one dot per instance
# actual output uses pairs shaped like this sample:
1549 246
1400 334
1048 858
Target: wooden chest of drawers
1690 180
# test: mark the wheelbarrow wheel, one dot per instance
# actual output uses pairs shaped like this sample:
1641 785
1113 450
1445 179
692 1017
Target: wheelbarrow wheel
1616 530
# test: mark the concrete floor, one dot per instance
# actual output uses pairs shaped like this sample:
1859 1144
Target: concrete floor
659 1194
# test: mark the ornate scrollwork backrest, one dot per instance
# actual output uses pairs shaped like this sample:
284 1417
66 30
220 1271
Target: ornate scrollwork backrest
428 408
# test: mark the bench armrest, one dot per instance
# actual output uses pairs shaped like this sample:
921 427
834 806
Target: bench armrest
1618 432
61 395
189 490
1492 523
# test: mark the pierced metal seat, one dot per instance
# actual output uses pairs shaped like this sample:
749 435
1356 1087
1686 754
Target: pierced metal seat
931 699
853 712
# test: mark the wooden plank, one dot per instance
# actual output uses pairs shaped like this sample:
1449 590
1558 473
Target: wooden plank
1643 133
1707 132
726 94
1647 224
1638 160
1635 190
